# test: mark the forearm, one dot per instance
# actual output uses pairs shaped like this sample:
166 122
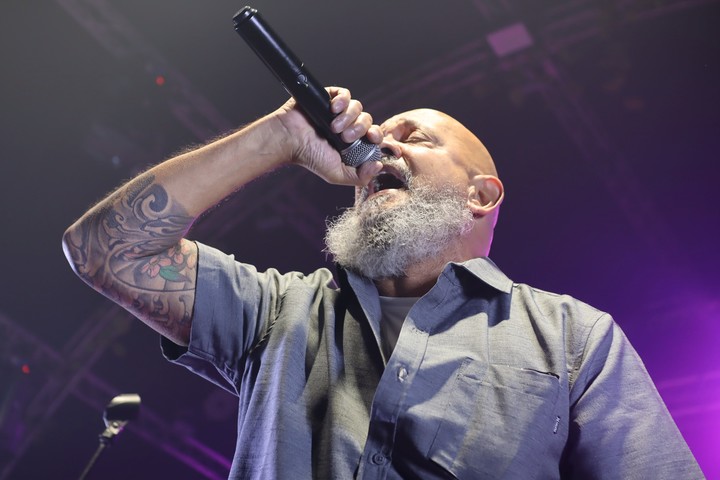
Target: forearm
153 211
130 246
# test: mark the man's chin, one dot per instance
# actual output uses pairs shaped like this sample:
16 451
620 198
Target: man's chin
378 266
382 199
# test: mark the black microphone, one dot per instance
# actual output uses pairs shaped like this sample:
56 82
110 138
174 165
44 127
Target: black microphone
309 94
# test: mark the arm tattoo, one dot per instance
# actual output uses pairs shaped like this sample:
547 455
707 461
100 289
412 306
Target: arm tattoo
130 247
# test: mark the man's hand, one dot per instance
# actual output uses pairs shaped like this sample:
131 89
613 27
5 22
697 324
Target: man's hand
305 147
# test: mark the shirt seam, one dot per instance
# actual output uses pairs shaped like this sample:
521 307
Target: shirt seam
574 374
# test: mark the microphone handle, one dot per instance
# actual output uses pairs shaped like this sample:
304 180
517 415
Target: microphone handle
309 94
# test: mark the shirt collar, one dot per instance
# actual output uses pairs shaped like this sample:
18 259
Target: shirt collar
482 268
486 271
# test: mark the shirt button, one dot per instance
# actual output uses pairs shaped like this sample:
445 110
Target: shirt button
402 374
378 459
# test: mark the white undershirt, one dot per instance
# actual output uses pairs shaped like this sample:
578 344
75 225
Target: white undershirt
394 310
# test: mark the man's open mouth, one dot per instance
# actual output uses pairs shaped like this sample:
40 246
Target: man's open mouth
388 178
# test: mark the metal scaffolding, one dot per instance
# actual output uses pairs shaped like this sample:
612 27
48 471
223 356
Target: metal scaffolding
27 406
29 403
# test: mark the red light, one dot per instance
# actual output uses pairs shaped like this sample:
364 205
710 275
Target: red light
25 369
159 80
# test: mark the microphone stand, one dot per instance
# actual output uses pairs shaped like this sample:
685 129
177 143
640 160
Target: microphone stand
118 413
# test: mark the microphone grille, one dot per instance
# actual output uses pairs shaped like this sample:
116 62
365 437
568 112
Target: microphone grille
359 152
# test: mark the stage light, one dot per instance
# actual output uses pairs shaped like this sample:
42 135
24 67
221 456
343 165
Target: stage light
511 39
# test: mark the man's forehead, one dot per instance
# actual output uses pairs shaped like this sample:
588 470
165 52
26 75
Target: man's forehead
444 129
412 119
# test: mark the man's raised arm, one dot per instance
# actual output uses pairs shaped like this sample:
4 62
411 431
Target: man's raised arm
131 245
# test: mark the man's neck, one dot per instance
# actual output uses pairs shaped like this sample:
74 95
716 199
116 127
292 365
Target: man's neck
421 277
417 280
404 286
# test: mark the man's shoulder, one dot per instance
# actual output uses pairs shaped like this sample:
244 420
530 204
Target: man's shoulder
528 296
544 305
213 259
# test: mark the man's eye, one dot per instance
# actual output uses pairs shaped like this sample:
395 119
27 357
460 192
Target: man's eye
416 138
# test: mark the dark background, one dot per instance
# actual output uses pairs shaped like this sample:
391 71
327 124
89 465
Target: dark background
605 130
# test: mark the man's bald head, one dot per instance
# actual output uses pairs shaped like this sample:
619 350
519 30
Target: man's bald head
445 131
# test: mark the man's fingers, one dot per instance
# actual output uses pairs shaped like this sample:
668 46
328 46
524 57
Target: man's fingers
374 134
339 99
347 117
358 128
351 121
367 171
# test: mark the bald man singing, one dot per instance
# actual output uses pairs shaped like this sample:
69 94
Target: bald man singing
421 359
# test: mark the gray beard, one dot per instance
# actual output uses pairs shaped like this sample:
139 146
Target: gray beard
382 242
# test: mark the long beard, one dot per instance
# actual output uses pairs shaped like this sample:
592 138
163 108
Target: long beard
381 242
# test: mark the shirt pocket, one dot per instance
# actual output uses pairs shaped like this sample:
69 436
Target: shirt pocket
493 414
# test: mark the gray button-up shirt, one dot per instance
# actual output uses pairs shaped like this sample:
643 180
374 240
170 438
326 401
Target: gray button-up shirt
489 379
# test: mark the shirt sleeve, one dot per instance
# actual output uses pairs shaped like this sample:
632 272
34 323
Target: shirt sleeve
620 427
234 306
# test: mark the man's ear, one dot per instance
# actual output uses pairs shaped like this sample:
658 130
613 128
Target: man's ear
485 194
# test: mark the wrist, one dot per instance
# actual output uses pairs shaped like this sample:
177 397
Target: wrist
290 130
268 140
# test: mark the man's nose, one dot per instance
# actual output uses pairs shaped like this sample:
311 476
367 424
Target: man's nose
390 147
